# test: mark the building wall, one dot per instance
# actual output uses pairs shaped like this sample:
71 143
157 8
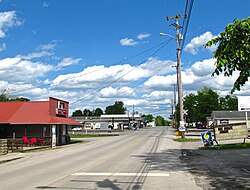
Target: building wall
32 130
58 107
3 130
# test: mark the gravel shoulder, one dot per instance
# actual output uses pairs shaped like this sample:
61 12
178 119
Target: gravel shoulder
217 169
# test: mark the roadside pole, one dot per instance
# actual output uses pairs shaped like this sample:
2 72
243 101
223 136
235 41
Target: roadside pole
182 128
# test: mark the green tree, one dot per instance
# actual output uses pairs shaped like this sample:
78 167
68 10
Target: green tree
98 112
77 113
233 52
5 98
201 105
160 121
19 99
191 105
117 108
87 112
148 118
207 102
228 103
3 95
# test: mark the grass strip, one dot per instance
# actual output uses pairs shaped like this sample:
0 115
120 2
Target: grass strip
227 146
187 140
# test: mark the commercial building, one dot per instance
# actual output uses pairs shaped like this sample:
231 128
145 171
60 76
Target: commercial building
113 121
37 119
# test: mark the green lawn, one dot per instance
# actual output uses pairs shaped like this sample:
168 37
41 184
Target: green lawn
187 140
227 146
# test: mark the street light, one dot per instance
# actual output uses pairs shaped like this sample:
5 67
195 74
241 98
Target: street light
163 34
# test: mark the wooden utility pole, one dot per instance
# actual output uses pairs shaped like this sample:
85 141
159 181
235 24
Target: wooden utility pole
179 83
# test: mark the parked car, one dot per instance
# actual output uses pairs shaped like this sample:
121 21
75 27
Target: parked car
76 129
199 125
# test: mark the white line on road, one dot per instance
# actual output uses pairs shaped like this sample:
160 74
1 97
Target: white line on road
122 174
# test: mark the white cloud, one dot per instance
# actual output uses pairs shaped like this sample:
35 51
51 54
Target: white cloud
197 42
67 62
142 36
203 68
158 95
49 46
110 92
16 69
160 82
154 65
45 4
98 76
36 55
3 47
8 20
128 42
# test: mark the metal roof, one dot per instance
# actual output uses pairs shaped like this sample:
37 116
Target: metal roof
230 114
36 112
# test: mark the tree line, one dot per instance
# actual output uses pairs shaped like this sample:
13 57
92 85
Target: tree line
200 106
5 98
117 108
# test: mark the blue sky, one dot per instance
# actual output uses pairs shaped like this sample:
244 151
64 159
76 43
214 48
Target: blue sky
94 52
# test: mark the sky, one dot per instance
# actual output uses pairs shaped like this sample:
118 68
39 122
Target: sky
92 53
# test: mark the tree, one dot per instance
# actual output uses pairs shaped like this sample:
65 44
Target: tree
228 103
191 105
148 118
201 105
5 98
87 112
160 121
117 108
207 102
19 99
233 51
98 112
77 113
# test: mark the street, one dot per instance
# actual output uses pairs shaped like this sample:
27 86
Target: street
143 159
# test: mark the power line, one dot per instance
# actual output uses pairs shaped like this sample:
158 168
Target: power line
131 57
188 11
105 86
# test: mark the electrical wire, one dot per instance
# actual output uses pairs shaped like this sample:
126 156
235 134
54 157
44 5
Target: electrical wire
119 62
188 11
105 86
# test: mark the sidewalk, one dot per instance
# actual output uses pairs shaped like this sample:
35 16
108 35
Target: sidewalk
18 155
10 157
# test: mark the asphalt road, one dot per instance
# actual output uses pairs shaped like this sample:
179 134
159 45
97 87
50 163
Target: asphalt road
143 159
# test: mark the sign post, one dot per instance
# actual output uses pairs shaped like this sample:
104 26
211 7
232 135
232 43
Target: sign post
53 140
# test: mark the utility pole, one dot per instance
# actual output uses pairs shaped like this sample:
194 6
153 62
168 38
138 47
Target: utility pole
179 83
174 104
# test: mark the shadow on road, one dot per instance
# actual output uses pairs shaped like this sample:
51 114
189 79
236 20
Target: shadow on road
213 169
220 169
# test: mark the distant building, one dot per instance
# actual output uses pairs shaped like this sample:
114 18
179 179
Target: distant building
229 117
43 119
115 121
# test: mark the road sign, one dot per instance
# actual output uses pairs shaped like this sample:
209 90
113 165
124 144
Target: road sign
185 112
182 127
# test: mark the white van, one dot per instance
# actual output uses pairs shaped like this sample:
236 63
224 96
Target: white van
88 126
97 126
